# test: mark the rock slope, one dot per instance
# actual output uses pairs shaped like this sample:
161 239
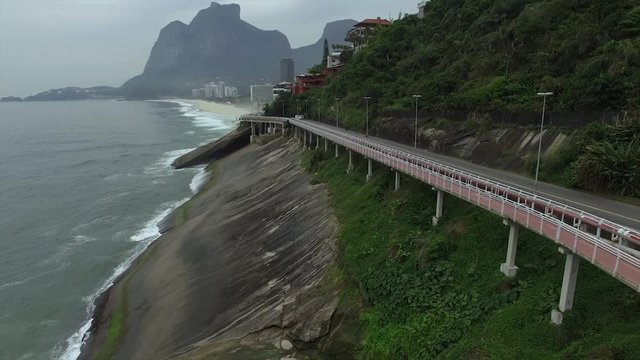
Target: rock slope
240 273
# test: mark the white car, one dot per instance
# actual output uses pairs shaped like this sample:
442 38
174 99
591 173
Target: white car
299 117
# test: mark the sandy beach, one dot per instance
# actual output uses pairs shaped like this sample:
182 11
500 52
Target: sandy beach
234 110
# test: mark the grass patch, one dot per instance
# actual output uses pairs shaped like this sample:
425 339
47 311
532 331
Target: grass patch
436 292
117 325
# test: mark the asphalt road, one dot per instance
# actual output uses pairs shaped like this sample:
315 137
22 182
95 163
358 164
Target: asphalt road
615 211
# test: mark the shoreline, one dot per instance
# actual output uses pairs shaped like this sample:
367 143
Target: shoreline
213 249
82 337
234 110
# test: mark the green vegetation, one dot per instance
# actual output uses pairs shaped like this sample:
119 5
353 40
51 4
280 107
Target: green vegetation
491 55
495 55
117 325
436 292
603 158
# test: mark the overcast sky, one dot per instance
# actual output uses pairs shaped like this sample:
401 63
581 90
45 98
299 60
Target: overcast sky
48 44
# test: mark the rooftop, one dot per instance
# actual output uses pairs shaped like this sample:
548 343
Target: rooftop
377 21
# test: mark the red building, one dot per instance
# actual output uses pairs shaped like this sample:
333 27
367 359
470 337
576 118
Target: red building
306 82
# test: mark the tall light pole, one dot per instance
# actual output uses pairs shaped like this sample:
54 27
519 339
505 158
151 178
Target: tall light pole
366 99
544 107
415 137
306 108
318 99
337 111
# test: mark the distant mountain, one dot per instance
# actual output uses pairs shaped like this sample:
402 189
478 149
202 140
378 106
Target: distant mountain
219 46
76 93
11 99
310 55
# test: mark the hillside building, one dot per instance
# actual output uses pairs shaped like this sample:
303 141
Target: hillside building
362 31
421 6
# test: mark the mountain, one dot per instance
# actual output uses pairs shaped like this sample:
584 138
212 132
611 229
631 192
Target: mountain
310 55
219 46
76 93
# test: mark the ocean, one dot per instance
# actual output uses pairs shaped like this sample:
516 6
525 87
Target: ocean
82 188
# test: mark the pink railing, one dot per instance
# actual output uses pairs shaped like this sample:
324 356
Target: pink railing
592 237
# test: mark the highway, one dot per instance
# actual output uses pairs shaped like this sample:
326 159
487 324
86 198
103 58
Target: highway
615 211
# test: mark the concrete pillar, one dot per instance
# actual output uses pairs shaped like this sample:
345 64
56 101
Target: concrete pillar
253 133
370 172
336 151
317 141
304 144
440 199
509 268
350 168
397 181
282 128
567 293
326 145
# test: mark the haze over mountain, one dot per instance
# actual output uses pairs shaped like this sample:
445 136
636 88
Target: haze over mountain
219 46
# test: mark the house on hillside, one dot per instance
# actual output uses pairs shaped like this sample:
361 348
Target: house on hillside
362 31
306 82
421 6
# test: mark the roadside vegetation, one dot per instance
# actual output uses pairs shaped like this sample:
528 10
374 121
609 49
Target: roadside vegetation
436 292
489 55
603 158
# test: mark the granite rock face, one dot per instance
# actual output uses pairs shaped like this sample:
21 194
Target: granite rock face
219 46
241 275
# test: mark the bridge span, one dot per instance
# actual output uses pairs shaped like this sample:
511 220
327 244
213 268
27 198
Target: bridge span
599 230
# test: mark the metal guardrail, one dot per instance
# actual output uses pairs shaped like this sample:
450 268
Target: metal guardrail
577 230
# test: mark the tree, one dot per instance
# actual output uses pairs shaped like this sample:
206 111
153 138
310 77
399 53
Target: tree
325 54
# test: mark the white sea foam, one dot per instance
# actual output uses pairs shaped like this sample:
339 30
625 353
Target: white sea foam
150 231
199 180
162 167
201 119
143 237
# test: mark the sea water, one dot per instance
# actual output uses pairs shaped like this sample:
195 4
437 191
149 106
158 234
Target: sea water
83 186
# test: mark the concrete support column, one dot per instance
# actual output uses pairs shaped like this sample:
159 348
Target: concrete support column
282 128
571 265
440 199
397 181
253 133
336 151
509 268
370 172
350 167
304 144
317 141
326 145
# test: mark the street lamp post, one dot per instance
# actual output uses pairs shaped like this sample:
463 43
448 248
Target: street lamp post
415 136
544 107
319 118
337 111
366 99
